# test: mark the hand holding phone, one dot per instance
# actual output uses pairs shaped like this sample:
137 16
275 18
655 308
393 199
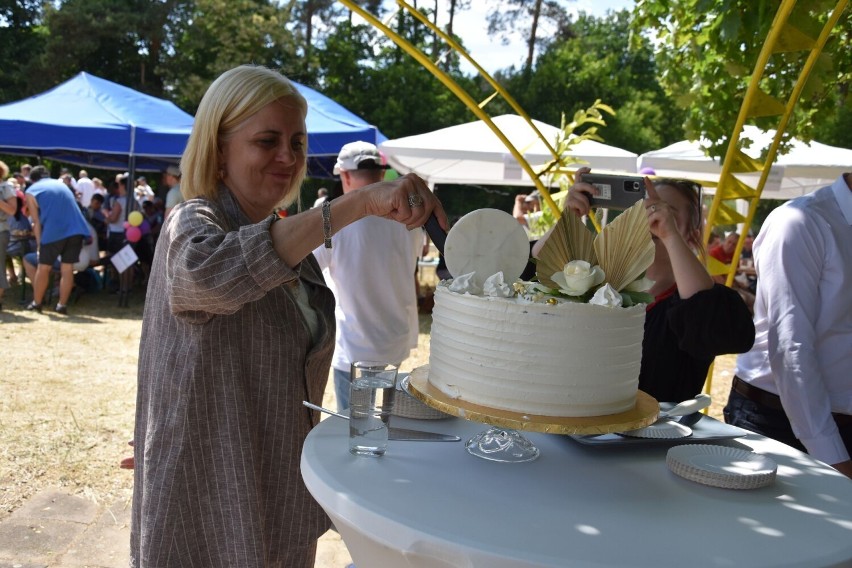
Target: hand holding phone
614 191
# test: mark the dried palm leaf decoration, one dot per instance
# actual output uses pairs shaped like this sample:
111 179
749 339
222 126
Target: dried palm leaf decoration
570 240
624 249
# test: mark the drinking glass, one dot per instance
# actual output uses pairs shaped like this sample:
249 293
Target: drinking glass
371 399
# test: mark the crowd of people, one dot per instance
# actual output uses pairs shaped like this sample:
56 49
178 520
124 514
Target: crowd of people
41 217
248 312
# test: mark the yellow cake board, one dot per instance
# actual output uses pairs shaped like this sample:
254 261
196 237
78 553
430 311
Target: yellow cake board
643 414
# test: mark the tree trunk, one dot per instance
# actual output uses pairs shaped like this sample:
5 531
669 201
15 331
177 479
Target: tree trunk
436 45
531 42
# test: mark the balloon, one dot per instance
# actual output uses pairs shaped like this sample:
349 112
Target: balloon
135 218
145 227
127 225
647 171
133 234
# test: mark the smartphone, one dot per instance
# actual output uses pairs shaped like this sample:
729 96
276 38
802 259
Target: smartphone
615 192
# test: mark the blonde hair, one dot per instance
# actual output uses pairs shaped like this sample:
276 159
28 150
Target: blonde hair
4 170
234 97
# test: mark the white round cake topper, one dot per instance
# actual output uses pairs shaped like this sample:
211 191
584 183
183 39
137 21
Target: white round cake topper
487 241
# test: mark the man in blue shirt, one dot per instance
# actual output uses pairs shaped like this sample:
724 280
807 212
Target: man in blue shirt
59 228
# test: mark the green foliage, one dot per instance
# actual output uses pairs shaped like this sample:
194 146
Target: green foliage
596 62
375 79
19 38
217 35
707 49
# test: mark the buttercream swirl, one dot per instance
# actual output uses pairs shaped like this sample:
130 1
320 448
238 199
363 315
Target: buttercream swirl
465 284
495 286
607 296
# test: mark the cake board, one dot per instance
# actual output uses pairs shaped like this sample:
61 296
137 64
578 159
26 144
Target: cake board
643 414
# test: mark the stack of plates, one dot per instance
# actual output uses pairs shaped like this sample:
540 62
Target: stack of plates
406 406
665 430
721 466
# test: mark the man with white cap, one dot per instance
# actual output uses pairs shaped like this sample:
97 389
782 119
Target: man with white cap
370 267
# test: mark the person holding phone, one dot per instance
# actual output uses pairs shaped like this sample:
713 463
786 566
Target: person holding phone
692 319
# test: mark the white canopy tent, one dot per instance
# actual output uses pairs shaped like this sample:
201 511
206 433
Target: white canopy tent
805 168
472 154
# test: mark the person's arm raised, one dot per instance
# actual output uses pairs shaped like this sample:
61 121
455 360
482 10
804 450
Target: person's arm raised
296 237
578 202
689 274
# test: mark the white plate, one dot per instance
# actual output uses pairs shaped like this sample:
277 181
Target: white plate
721 466
666 430
487 241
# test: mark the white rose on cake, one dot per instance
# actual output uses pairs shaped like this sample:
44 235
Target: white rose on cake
578 277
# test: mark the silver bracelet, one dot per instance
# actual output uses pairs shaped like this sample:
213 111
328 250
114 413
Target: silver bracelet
326 222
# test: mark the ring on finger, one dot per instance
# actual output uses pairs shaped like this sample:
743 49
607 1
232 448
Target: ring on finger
414 200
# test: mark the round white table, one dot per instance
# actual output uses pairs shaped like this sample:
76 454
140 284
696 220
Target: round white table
433 505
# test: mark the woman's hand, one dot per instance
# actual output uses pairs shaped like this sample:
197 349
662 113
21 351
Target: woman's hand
676 261
580 194
660 216
407 200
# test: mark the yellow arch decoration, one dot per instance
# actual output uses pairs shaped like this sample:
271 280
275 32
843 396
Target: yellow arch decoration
783 37
458 91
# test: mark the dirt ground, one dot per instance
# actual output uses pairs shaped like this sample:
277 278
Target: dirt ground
67 395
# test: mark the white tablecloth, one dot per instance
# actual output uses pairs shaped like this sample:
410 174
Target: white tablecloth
432 505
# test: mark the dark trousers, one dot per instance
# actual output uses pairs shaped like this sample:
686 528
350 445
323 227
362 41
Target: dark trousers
765 416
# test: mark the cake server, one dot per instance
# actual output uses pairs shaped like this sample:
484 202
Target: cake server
700 402
394 433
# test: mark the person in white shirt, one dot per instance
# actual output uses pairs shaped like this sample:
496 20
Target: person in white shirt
85 188
370 268
795 384
143 191
322 195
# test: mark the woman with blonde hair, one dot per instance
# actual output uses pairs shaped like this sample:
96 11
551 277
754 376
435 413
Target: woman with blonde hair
238 330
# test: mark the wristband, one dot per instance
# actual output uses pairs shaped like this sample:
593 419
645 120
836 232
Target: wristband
326 223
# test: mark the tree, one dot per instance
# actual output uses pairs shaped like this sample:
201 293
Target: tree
525 17
20 43
707 49
216 35
376 80
304 15
596 62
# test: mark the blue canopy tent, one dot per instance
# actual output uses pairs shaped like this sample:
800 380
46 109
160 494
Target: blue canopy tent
330 126
92 122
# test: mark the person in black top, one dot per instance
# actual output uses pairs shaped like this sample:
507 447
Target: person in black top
692 319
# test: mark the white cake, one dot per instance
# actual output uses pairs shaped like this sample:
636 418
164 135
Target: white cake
564 359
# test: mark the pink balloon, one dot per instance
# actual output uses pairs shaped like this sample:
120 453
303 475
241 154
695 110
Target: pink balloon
127 225
133 234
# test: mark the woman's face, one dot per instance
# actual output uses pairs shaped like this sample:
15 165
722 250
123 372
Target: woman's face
681 208
263 157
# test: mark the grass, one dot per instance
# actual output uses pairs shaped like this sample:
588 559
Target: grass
67 396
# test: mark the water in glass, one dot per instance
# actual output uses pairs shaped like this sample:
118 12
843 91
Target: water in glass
370 406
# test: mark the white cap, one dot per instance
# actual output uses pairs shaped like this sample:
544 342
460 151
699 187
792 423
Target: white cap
359 156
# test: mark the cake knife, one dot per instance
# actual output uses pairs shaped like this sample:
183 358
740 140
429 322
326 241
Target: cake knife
394 433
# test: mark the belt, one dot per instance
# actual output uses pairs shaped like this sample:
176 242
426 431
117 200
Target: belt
773 401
